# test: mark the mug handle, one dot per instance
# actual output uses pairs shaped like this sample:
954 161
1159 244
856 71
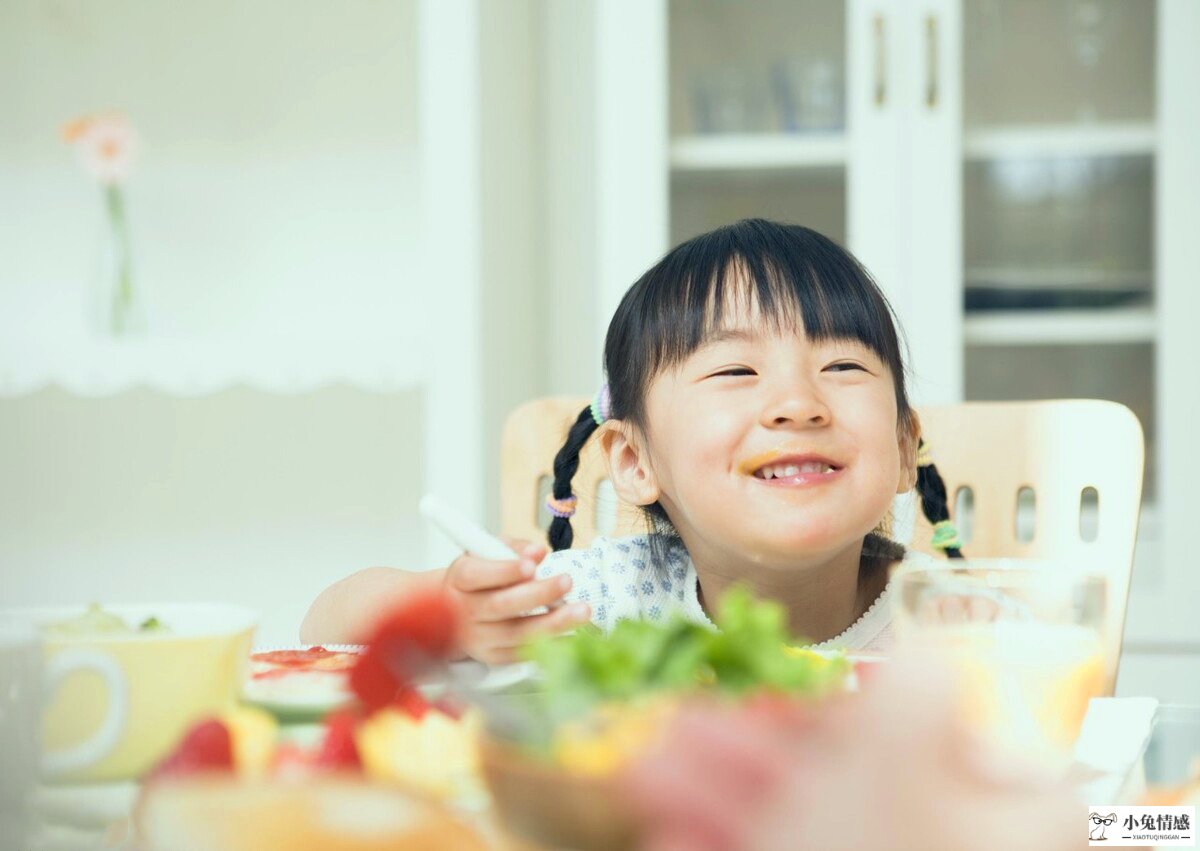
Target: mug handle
58 668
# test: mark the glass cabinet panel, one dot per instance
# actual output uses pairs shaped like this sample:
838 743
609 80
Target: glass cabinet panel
1068 231
703 201
756 67
757 113
1054 61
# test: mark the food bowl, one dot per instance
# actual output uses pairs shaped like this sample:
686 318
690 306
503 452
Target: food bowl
553 806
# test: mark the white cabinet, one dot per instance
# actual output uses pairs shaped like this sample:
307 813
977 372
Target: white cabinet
1019 175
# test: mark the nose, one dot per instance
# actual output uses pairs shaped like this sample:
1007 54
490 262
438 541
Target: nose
795 404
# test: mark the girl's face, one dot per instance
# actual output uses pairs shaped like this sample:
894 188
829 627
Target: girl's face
768 447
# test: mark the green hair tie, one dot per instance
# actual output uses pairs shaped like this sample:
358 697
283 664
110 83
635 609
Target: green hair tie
601 406
945 536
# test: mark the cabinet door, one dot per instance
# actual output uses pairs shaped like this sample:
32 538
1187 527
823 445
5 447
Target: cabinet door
1058 180
1072 114
929 228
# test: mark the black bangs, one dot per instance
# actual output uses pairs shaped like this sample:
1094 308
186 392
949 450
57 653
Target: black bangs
794 278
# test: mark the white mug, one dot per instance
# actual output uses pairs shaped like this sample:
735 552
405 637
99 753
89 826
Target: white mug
27 681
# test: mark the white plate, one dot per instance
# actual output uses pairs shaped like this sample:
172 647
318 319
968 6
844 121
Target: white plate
301 695
493 678
309 695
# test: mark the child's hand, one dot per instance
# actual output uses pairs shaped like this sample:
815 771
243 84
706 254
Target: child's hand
496 597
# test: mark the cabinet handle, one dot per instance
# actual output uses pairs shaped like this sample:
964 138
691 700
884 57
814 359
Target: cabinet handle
880 63
931 62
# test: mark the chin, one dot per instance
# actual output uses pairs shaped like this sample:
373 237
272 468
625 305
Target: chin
805 538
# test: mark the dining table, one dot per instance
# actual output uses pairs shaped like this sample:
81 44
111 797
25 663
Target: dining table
1130 750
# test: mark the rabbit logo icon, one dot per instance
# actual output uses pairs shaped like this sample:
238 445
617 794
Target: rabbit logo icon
1099 823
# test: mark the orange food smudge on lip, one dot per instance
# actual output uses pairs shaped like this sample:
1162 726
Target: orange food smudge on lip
762 459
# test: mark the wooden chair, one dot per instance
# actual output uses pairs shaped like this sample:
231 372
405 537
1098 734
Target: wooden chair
1053 450
533 434
989 451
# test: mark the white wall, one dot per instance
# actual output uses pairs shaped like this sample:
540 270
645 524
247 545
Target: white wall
278 180
515 334
240 497
569 236
275 204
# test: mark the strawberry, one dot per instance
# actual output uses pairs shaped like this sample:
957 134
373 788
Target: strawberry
450 708
338 750
419 634
291 760
412 702
866 671
207 746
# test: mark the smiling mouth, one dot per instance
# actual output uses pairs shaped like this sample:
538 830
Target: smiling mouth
783 468
790 471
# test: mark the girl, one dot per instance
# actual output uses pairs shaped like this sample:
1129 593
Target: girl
756 409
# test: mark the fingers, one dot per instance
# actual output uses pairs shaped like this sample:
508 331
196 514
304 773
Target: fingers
496 642
497 596
526 549
470 573
516 600
959 609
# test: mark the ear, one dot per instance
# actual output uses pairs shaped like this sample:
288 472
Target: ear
628 462
908 435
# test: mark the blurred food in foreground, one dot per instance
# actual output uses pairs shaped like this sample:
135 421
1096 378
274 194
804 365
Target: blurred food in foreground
334 813
606 699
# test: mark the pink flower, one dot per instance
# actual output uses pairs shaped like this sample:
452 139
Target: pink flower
106 144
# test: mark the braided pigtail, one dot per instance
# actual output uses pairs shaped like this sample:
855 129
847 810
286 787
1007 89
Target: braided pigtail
562 500
934 504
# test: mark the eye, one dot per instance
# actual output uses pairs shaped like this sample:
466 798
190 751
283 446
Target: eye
845 366
734 371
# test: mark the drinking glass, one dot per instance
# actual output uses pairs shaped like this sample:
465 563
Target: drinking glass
1027 640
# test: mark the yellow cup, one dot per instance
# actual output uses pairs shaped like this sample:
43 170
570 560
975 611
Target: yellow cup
172 678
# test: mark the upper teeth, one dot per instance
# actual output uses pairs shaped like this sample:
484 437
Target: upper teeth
779 471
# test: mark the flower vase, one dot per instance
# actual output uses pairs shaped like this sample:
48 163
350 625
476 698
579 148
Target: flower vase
122 312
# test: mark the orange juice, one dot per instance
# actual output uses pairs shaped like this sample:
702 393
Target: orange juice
1027 684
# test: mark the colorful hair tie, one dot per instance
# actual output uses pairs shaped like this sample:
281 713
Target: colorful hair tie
924 455
563 508
601 406
945 536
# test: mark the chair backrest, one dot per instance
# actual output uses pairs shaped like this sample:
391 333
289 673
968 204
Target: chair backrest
1006 455
533 434
999 454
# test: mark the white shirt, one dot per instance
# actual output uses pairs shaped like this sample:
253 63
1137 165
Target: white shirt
617 577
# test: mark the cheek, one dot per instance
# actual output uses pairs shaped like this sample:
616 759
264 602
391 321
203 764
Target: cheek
880 450
693 450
